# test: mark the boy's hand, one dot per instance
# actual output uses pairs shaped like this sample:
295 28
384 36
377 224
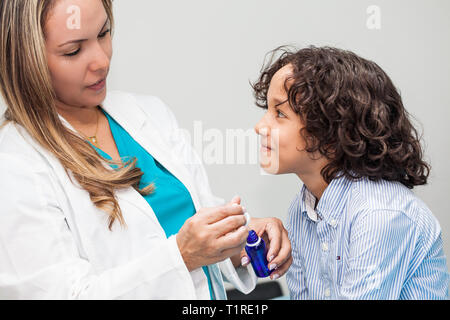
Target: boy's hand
276 238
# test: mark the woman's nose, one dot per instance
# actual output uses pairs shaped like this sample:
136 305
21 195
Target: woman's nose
101 59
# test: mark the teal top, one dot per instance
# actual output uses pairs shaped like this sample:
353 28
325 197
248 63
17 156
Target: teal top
170 200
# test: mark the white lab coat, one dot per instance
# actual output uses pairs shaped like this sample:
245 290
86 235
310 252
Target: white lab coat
55 244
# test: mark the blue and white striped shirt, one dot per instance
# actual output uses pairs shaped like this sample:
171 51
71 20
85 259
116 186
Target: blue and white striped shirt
365 240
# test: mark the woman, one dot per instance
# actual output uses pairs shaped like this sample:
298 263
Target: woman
76 221
356 228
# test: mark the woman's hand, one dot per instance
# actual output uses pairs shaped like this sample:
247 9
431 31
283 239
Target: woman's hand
276 238
212 235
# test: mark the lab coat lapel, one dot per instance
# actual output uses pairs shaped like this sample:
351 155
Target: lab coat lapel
125 111
140 126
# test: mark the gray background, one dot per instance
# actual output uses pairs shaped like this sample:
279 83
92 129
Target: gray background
199 55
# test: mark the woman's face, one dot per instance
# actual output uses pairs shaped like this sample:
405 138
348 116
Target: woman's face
279 129
79 50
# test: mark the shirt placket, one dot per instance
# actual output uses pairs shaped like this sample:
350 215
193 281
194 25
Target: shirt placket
325 243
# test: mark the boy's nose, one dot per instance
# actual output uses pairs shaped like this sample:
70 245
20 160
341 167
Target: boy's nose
261 128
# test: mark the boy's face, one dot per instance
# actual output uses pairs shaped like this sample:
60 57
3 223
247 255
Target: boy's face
279 129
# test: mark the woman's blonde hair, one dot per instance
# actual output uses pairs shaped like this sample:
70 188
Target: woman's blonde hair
26 87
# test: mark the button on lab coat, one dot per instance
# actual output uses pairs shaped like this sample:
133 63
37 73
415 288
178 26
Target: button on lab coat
55 244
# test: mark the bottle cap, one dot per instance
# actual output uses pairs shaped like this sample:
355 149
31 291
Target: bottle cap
253 239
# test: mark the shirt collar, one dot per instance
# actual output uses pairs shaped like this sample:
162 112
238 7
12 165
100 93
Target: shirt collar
310 202
331 203
307 202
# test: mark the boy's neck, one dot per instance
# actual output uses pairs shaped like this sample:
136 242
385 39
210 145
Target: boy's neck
315 183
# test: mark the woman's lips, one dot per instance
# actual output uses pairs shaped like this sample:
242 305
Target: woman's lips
98 86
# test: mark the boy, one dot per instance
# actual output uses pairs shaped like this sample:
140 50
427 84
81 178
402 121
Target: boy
357 230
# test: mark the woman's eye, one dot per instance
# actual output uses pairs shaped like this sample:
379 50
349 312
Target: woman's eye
104 33
72 53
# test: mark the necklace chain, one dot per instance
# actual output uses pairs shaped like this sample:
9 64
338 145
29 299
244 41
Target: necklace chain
93 139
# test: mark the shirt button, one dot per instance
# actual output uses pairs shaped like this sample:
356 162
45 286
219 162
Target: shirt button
327 292
324 246
333 223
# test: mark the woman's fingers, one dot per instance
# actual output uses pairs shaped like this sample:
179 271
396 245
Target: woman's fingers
234 239
227 225
214 234
213 215
231 252
236 199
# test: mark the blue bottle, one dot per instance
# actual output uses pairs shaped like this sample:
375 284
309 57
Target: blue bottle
256 251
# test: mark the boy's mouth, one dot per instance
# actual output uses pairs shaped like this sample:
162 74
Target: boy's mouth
265 148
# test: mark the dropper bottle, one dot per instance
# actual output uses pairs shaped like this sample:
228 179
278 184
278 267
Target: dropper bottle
256 251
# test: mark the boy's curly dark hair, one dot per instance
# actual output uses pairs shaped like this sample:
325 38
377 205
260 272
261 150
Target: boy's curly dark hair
352 114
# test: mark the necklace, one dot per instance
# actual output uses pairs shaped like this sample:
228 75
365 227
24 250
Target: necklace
93 139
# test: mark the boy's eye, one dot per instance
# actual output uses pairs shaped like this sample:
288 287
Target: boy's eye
281 114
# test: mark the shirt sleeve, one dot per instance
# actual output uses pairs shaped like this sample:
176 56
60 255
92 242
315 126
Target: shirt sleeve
428 277
381 245
39 258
